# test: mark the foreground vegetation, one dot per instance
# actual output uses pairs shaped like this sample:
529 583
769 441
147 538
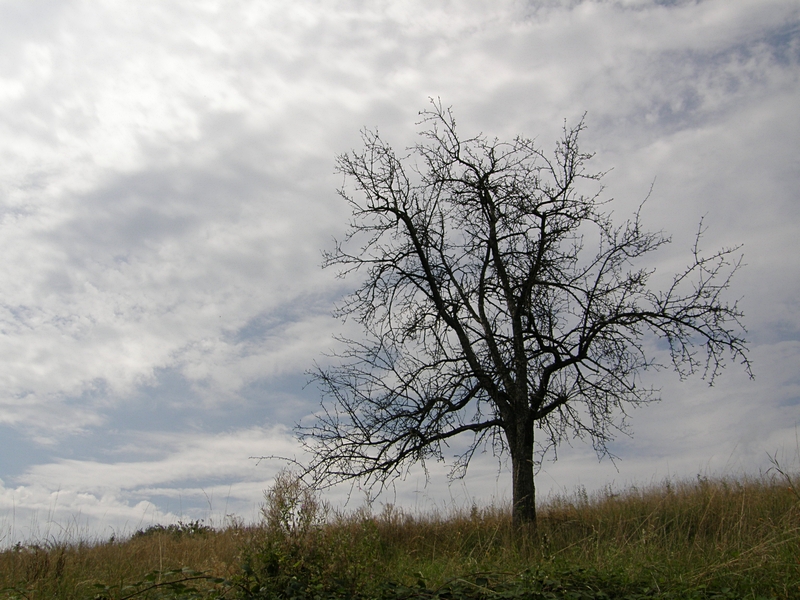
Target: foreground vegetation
726 538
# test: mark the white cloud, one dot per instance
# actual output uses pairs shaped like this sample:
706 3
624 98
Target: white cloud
166 185
192 476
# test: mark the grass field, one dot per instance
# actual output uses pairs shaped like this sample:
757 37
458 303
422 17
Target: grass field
722 538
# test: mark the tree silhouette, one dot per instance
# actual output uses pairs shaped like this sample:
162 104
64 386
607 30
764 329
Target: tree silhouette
485 316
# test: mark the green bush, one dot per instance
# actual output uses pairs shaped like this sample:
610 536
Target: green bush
176 529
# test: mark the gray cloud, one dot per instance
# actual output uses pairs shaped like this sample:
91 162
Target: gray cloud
166 185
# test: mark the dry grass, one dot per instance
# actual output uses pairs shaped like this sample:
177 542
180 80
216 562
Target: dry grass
729 532
741 535
71 570
735 538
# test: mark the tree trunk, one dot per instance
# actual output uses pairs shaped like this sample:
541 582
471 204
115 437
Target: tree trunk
524 491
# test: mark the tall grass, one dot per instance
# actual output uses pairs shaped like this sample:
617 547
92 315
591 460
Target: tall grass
81 569
720 538
741 535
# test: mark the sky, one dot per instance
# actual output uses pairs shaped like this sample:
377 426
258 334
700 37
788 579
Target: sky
167 187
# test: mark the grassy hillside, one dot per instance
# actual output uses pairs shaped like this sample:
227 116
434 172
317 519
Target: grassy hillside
725 538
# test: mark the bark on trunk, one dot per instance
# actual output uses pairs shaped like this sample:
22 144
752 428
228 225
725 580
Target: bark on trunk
524 491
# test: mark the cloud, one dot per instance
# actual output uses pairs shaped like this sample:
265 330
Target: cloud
190 476
166 186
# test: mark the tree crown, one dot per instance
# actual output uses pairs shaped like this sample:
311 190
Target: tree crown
484 313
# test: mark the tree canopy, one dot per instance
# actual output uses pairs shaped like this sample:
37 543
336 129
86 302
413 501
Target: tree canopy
499 303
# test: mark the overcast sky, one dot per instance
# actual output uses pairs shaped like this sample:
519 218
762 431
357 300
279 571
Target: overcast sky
167 185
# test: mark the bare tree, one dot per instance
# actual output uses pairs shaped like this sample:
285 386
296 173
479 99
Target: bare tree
484 316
